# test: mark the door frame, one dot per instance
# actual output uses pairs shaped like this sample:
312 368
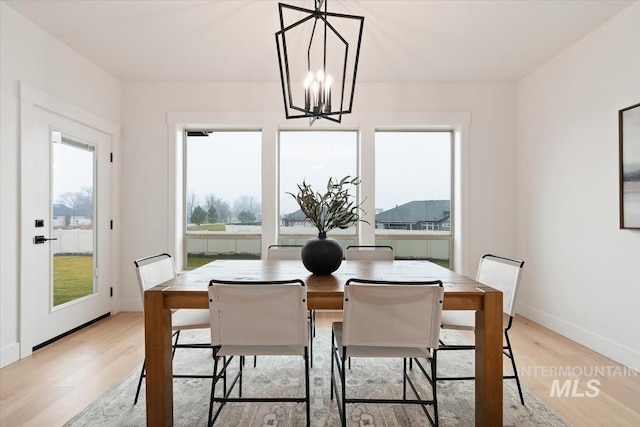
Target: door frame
31 98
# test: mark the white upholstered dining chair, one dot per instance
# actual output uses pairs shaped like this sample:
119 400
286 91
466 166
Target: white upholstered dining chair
154 270
292 252
502 273
385 319
369 252
256 318
284 252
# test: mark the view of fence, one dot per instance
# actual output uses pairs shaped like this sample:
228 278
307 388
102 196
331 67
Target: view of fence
75 241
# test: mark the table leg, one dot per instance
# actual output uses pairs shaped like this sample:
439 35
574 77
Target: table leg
489 361
159 376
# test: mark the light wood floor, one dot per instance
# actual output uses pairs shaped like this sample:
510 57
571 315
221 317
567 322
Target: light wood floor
58 381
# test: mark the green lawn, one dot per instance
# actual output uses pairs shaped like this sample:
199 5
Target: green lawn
208 227
73 277
441 262
195 261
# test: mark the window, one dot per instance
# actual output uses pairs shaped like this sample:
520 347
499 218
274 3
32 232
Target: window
313 156
413 193
410 190
223 185
74 176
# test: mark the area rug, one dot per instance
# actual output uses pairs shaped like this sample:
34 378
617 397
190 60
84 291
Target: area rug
284 377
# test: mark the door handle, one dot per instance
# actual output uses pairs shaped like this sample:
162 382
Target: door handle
38 240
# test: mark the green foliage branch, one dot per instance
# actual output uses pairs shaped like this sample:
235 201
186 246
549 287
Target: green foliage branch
336 208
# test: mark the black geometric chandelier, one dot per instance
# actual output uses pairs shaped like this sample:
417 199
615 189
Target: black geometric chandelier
318 65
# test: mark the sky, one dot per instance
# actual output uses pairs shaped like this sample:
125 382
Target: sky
409 166
226 164
72 169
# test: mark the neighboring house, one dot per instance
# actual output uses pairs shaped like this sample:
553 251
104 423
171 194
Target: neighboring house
295 219
63 216
430 215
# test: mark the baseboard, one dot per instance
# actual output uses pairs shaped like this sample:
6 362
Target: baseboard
611 349
9 354
130 304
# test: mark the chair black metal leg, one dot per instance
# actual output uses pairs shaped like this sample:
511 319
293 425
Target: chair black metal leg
404 378
508 353
434 389
224 378
311 348
332 360
513 365
213 388
240 377
175 343
176 334
343 376
312 334
306 386
140 381
225 397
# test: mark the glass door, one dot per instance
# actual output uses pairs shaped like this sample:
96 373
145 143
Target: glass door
66 235
72 221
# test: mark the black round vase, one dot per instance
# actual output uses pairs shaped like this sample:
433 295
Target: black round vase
321 255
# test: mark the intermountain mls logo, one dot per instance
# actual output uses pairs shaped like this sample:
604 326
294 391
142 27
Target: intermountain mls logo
577 381
571 388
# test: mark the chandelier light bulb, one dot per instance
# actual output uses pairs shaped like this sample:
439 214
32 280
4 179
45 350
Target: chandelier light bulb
327 82
315 89
327 92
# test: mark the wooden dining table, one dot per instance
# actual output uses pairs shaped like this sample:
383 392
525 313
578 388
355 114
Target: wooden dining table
189 290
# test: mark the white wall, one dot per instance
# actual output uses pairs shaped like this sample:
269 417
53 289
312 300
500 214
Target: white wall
146 193
30 55
582 274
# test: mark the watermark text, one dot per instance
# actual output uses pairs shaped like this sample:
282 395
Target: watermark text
576 381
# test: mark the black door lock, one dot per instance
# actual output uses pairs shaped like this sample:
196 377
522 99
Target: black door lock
38 240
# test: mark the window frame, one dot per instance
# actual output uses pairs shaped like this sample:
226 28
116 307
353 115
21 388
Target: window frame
382 238
186 236
299 238
365 122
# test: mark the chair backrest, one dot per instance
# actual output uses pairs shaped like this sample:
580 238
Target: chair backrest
501 273
284 252
258 313
153 270
369 252
392 314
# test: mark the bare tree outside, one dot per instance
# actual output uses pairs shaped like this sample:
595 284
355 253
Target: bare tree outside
221 167
192 202
246 205
218 209
80 202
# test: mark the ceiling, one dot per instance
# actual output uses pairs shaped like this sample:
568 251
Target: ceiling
403 40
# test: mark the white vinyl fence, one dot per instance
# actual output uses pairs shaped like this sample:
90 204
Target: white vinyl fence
72 241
